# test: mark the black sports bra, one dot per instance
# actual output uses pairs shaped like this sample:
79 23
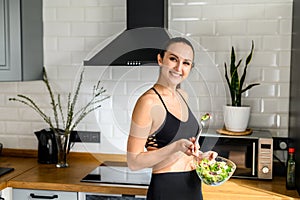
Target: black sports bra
172 128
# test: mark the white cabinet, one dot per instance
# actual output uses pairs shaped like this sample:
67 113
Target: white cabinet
6 194
25 194
21 40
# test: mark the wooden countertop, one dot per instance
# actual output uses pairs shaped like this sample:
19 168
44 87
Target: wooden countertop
28 174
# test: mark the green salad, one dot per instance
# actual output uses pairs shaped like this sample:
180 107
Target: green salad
213 172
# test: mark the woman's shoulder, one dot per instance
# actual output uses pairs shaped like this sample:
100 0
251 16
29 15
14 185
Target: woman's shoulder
147 98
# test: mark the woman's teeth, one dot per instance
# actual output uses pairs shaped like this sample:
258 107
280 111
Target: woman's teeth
175 74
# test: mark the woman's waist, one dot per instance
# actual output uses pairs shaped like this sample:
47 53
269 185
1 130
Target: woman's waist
182 164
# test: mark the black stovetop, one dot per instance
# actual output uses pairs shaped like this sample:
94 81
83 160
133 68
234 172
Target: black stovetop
116 174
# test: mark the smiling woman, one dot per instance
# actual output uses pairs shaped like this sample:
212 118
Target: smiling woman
163 123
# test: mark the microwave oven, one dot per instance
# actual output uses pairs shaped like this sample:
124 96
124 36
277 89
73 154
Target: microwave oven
252 154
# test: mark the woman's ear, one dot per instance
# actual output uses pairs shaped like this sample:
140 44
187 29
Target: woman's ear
159 59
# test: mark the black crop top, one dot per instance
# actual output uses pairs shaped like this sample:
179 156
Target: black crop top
172 128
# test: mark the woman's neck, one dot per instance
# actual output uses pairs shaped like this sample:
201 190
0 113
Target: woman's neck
169 89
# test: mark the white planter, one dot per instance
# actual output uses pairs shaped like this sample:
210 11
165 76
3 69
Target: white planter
236 118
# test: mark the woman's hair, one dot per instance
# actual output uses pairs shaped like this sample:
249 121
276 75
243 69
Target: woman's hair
175 40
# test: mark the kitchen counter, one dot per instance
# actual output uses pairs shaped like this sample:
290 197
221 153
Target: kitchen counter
28 174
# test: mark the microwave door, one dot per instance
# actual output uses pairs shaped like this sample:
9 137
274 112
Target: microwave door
253 159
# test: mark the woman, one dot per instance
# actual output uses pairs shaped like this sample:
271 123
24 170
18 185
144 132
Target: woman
163 124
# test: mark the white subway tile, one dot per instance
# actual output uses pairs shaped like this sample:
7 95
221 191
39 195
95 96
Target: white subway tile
262 27
85 29
202 27
99 14
285 26
264 59
49 14
70 14
6 87
250 11
277 42
271 75
213 12
283 90
263 91
56 29
50 43
237 27
56 3
279 11
20 129
216 43
284 58
57 57
263 120
71 44
85 3
9 141
119 14
180 12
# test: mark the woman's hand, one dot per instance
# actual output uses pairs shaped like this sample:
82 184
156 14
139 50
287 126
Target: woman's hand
210 155
186 146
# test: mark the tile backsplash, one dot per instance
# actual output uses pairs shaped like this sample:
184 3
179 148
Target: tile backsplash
74 29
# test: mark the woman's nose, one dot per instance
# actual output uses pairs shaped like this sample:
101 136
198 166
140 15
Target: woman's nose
178 66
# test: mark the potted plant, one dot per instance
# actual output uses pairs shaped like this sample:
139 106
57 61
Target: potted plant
64 124
236 115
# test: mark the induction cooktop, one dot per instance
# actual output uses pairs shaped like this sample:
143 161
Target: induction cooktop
110 174
5 170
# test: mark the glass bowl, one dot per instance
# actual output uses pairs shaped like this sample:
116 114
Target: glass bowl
215 172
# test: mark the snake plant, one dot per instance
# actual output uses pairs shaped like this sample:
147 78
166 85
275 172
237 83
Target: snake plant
235 83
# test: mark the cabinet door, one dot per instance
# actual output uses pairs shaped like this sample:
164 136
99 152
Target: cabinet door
24 194
10 40
21 40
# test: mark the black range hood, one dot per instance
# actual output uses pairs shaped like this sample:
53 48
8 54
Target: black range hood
144 37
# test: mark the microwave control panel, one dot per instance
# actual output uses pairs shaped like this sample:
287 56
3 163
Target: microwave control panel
265 158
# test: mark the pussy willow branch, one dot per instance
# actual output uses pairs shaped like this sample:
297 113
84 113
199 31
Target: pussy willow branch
53 103
33 105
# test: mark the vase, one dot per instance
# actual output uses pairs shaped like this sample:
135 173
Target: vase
63 147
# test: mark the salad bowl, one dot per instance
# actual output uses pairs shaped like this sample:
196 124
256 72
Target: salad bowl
215 172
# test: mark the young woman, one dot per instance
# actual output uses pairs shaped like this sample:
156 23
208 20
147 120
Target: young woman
163 129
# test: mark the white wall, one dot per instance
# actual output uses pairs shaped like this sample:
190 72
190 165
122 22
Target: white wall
73 28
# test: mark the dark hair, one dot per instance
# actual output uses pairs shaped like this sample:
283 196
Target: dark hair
175 40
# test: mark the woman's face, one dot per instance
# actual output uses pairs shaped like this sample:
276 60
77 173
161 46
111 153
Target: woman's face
176 63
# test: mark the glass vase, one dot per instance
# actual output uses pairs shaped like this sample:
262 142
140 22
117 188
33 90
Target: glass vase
62 141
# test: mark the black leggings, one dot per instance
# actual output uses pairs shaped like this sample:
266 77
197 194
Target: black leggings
175 186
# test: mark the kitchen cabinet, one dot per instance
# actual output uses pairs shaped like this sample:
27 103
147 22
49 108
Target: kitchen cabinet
21 40
25 194
6 194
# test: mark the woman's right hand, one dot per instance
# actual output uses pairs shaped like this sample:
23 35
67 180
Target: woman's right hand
185 146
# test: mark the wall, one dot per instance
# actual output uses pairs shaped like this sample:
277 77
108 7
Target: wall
74 28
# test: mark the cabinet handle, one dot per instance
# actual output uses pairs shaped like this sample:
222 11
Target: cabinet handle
43 197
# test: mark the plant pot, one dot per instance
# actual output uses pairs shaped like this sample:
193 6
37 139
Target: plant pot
236 118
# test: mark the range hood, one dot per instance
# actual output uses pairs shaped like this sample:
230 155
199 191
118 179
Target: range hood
143 38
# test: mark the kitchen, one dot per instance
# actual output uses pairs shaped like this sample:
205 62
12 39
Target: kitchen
74 28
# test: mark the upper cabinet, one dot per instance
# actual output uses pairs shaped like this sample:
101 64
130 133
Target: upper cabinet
21 40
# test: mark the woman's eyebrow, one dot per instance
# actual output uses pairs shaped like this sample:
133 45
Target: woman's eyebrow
185 59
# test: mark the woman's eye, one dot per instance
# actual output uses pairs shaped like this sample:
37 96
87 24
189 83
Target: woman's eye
187 63
173 59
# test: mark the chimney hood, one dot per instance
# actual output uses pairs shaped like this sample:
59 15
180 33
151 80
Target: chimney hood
139 44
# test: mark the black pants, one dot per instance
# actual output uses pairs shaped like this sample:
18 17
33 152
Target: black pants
175 186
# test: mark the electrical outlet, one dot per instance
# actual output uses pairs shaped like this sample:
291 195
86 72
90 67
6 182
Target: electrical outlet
85 136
